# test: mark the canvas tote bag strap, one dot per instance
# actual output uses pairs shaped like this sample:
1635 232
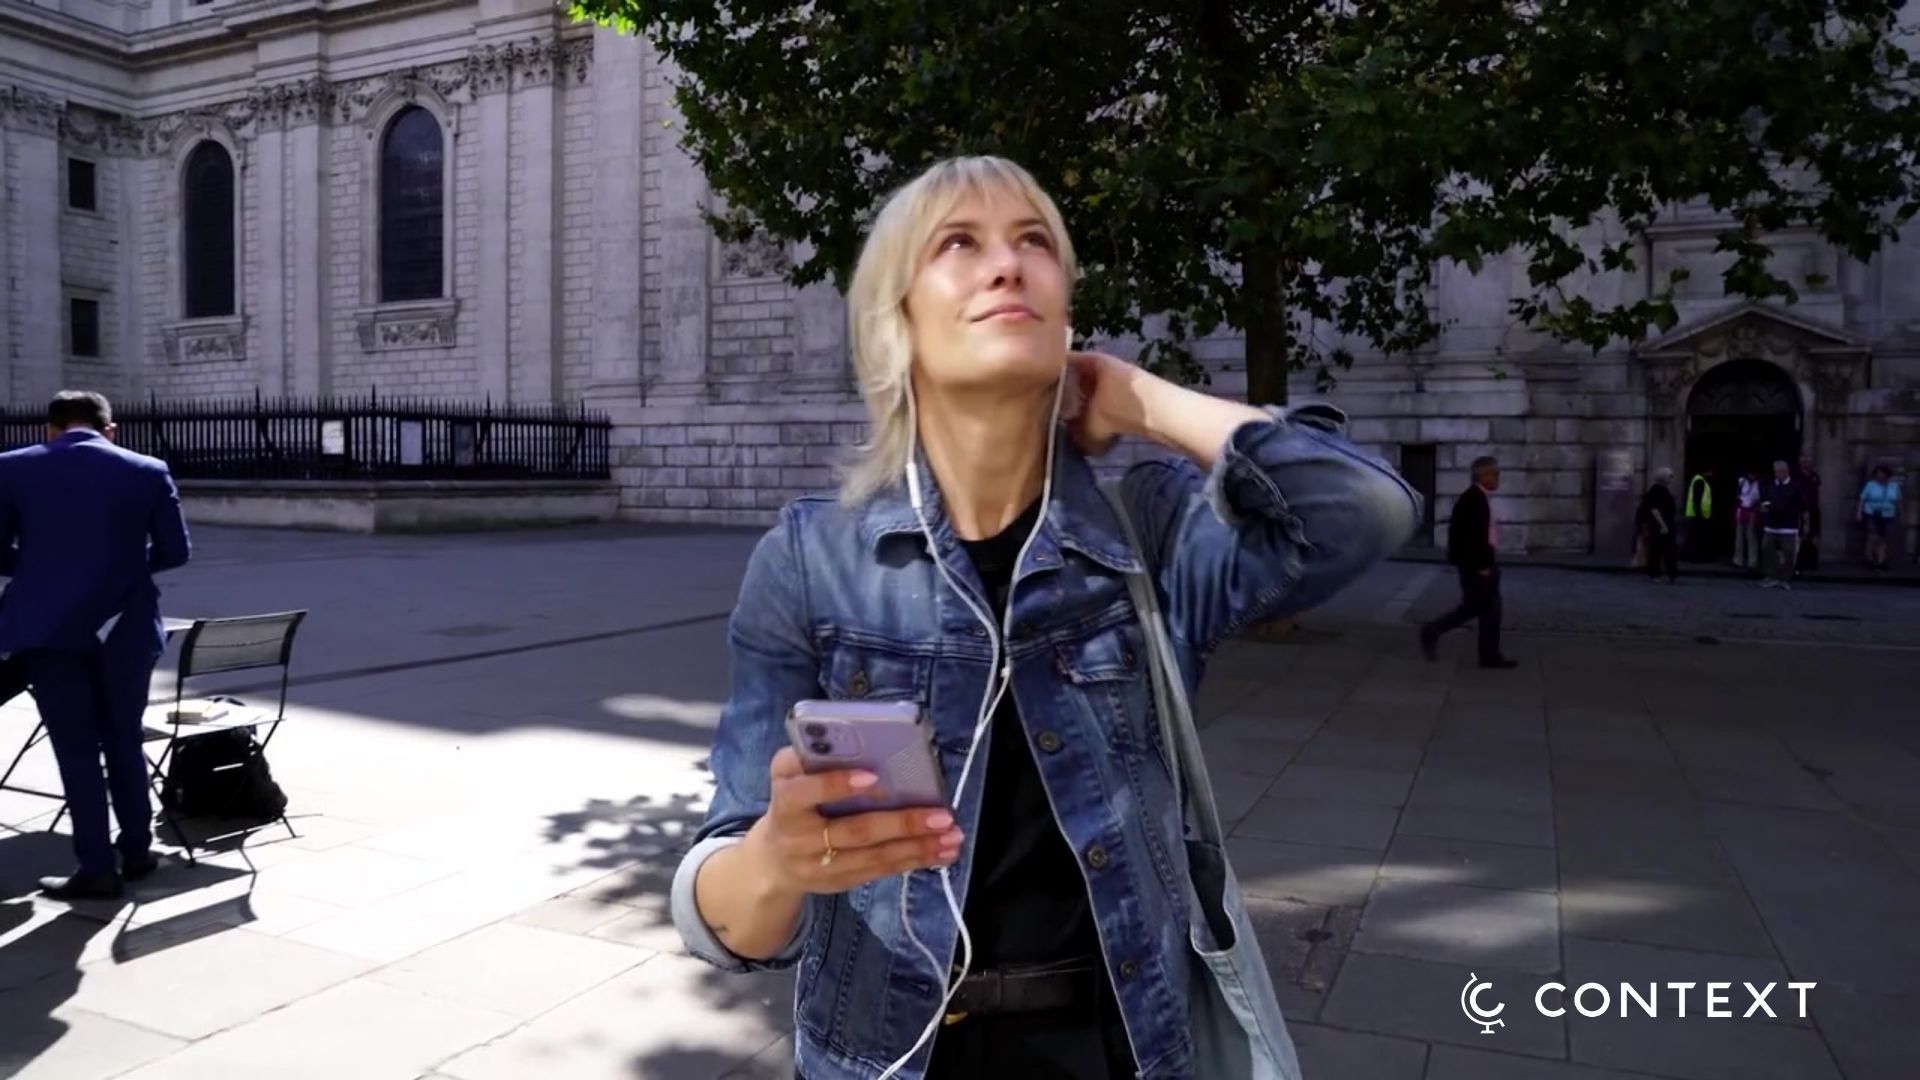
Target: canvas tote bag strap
1177 731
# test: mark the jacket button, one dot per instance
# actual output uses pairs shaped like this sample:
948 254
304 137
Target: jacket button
1128 970
858 685
1097 857
1127 658
1048 741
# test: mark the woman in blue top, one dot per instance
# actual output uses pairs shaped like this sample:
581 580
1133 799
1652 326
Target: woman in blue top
1879 509
972 565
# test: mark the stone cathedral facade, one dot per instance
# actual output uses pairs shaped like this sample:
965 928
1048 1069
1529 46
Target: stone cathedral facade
478 199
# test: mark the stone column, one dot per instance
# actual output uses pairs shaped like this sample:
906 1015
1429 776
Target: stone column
132 209
40 341
1836 374
619 102
269 290
309 140
821 366
9 249
491 269
686 260
535 359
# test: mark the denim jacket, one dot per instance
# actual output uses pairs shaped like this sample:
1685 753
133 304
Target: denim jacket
847 603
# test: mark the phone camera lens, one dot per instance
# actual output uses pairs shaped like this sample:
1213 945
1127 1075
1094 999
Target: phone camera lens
816 731
821 746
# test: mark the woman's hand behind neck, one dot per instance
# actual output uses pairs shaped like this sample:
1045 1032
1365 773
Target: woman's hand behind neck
987 452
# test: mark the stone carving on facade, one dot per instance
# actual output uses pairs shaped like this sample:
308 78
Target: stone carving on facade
535 62
1665 378
492 69
427 325
760 256
210 341
355 99
291 104
164 133
106 132
1835 378
577 57
1750 340
29 110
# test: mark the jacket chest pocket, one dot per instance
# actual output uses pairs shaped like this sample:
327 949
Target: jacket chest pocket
1108 671
861 672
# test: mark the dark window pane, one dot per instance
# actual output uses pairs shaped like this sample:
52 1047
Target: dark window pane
208 232
411 200
80 190
83 321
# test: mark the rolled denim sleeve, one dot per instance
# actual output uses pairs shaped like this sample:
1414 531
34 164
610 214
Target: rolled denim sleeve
1290 514
700 938
774 664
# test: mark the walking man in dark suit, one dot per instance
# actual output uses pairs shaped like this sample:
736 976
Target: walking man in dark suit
84 526
1472 542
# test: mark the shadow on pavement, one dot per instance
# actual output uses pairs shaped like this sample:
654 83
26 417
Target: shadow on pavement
640 841
39 972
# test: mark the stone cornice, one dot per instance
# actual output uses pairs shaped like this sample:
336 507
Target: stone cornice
486 69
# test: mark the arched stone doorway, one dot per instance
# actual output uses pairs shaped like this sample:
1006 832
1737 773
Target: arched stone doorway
1821 366
1742 414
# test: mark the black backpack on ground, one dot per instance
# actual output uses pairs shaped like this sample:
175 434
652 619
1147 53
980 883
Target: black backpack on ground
222 774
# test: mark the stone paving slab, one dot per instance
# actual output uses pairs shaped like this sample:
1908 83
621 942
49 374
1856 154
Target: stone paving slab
363 1029
1353 1055
1469 862
1460 924
493 786
669 1017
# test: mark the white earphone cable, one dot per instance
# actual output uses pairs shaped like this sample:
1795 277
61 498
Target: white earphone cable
999 679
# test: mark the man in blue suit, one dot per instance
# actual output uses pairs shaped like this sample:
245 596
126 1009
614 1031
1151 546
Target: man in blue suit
84 526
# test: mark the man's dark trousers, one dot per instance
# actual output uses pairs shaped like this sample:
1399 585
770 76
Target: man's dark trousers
1479 599
92 701
84 527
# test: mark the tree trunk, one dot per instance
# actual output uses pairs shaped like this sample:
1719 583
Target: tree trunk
1265 326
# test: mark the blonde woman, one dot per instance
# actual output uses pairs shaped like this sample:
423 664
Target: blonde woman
971 565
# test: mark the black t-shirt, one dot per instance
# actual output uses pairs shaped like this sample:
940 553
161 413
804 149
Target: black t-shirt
1026 899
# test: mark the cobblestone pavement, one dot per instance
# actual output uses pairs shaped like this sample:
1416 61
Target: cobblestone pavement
495 754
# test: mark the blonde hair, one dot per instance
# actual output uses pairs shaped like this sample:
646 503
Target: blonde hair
876 301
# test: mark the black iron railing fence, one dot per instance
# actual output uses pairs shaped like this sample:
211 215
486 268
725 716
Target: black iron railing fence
352 438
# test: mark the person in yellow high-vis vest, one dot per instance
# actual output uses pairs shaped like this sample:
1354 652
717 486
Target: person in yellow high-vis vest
1697 532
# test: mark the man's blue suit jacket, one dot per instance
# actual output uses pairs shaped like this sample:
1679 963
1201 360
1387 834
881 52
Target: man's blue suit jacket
84 526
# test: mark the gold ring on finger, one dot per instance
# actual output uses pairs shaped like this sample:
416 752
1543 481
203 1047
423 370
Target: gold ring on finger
826 841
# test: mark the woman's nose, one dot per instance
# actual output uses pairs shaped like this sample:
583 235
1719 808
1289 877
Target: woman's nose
1004 264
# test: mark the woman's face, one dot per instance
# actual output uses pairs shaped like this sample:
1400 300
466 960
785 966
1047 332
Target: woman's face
989 298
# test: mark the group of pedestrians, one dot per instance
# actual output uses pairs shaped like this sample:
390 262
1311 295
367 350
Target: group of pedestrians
1776 522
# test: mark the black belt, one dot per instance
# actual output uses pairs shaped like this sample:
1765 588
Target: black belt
1025 989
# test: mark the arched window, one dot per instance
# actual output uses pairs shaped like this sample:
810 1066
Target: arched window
207 232
412 201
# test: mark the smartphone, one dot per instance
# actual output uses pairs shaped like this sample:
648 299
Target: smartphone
889 739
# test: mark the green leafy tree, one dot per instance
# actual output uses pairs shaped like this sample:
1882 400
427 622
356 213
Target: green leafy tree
1298 171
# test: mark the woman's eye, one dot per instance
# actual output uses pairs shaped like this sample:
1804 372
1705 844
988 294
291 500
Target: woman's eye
957 240
1039 239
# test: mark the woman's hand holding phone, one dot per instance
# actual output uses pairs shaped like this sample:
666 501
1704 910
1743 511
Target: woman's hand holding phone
803 851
